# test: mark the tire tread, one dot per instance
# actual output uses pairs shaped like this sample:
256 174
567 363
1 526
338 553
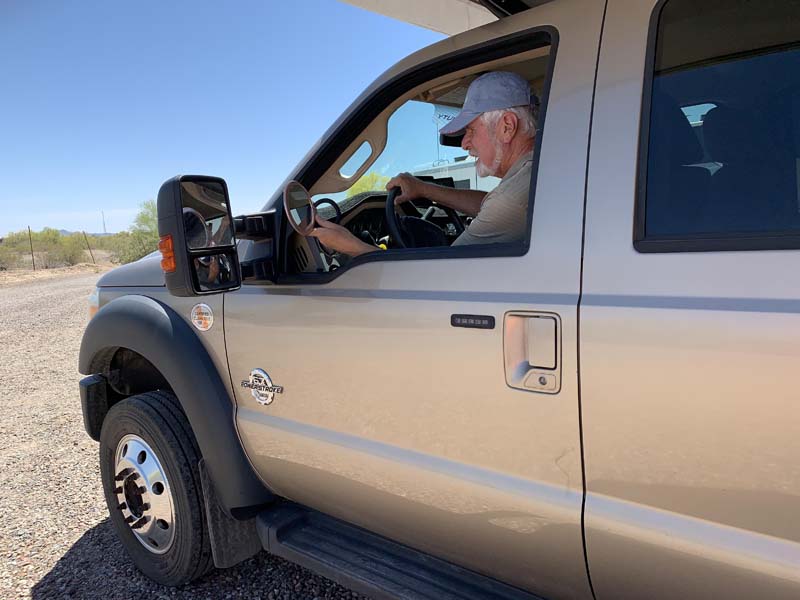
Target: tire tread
160 411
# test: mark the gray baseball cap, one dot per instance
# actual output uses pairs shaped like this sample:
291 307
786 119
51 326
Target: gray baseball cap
491 91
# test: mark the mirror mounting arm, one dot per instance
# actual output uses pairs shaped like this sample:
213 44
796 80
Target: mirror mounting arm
256 226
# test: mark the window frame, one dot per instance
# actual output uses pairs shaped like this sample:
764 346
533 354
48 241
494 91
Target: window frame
338 141
710 242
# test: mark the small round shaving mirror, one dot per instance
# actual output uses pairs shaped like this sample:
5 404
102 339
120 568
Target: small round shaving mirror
196 229
299 208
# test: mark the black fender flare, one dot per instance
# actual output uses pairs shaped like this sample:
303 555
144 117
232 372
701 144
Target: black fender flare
159 334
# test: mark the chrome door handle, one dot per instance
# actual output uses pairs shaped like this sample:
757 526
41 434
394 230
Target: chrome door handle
532 351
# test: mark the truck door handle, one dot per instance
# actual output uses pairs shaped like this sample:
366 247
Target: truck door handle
532 351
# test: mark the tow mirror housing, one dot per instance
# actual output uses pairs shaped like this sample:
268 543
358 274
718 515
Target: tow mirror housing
197 242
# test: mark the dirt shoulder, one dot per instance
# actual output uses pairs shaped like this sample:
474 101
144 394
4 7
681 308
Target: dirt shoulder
18 276
56 540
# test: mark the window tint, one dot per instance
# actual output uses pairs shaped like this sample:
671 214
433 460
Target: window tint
723 147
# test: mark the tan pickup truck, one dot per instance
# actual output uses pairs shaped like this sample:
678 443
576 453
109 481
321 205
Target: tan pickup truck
603 410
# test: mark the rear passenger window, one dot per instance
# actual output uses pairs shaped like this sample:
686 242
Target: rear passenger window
720 154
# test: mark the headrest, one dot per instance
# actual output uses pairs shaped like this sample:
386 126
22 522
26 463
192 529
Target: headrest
671 135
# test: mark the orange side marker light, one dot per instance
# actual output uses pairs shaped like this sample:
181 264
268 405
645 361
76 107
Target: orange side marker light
167 250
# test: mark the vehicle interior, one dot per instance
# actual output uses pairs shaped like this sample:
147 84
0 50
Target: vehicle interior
724 148
351 191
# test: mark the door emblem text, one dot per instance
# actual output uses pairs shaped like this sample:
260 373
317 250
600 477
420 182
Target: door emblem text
261 387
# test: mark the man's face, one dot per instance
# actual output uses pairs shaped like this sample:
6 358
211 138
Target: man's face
480 142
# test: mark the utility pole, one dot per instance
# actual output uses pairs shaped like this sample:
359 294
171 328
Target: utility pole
90 248
104 221
30 239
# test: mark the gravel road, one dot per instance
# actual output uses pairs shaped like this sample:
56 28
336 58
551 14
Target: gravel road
56 540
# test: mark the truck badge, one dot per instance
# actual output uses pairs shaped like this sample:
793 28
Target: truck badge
260 386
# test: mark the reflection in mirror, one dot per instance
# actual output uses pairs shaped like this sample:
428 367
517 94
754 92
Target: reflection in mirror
358 158
205 215
299 209
215 271
195 229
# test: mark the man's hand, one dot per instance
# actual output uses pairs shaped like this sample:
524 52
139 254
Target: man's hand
340 239
410 187
465 201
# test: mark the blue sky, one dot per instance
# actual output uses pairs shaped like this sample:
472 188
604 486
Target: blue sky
102 101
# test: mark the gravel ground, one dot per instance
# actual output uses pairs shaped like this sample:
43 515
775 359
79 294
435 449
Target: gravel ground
56 540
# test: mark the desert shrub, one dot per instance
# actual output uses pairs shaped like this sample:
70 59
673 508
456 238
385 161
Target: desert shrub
140 240
9 258
128 246
50 248
70 250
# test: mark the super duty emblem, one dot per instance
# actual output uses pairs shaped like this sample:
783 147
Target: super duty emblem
260 386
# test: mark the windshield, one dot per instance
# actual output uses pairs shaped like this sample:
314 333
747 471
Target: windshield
412 146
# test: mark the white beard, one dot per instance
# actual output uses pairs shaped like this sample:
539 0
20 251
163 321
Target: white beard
484 170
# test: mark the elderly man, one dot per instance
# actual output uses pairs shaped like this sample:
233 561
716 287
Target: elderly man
499 129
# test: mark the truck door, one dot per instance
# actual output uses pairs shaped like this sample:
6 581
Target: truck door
690 313
431 394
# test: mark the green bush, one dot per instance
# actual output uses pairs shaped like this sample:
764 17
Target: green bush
140 240
50 249
71 250
128 246
9 258
53 249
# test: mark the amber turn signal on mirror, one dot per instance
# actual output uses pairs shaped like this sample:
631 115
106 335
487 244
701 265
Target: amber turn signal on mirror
167 250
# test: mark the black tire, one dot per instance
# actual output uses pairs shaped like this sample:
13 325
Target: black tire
156 417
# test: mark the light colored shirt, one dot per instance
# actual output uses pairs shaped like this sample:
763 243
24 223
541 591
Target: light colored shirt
502 217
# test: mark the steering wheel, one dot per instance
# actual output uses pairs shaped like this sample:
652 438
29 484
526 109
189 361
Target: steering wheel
397 228
338 211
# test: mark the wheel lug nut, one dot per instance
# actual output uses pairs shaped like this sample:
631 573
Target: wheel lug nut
142 489
145 506
122 506
122 475
140 523
117 490
134 476
130 519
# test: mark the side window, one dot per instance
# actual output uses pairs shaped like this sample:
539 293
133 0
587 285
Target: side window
408 141
720 160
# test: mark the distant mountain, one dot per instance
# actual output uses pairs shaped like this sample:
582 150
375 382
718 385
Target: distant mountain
65 232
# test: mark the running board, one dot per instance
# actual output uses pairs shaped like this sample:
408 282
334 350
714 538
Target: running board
370 564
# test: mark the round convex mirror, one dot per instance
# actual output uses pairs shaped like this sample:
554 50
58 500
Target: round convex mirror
195 228
299 208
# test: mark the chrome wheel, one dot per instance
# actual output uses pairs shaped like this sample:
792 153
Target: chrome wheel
143 494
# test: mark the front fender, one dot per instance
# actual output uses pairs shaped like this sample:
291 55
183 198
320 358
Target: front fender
160 335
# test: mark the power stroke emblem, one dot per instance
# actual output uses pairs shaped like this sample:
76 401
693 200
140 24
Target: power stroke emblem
261 387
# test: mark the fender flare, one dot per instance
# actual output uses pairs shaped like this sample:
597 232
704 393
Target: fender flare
160 335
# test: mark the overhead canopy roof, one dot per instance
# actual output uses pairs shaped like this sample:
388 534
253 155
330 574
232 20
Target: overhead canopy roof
445 16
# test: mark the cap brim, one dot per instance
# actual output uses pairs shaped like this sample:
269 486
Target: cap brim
459 122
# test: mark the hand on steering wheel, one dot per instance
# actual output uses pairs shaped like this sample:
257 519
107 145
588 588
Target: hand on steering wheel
393 223
337 212
397 229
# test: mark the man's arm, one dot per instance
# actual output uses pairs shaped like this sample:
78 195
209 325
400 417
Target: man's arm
340 239
465 201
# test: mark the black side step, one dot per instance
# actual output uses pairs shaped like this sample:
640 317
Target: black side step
371 564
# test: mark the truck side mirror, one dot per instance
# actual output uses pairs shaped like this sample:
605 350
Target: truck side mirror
196 232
